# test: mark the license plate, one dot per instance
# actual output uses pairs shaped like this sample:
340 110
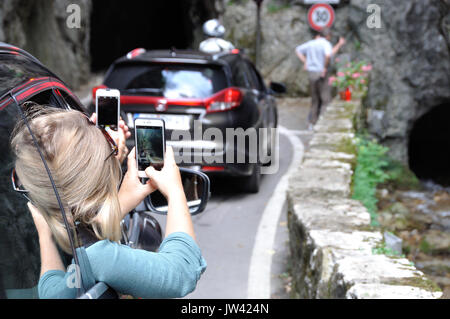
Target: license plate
172 122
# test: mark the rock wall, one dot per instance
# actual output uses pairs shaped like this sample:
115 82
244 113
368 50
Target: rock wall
410 55
40 27
331 241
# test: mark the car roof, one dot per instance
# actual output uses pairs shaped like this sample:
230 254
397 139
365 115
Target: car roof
18 66
178 56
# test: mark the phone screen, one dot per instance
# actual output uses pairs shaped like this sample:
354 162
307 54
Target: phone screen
107 111
150 148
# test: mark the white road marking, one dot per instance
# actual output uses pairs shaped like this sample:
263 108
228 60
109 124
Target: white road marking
261 261
301 132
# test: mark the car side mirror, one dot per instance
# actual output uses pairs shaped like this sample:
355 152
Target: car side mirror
196 187
277 87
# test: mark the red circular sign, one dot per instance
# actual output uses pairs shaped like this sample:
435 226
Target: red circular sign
320 15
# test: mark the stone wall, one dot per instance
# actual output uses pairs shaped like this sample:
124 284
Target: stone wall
331 240
40 28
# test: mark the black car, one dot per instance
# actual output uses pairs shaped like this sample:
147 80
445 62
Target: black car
203 100
23 77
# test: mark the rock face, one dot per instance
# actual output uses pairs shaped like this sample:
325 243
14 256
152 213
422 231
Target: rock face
331 243
40 27
411 74
409 53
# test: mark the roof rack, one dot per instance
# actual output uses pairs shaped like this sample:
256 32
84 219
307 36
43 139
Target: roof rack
221 54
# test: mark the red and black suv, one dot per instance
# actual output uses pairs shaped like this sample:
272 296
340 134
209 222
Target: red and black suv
208 103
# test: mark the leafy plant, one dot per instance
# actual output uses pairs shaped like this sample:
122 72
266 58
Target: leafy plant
369 172
400 176
384 250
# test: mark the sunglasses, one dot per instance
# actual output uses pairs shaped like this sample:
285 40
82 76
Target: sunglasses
17 185
114 147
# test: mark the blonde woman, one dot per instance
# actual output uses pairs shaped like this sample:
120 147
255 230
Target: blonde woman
88 178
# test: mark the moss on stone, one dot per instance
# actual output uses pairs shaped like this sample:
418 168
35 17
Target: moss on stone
419 281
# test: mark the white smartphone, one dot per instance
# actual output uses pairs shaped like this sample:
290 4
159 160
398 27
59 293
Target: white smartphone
150 144
107 107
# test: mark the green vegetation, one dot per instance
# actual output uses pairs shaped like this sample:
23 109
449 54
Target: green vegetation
382 249
274 7
400 176
425 246
235 2
375 168
369 172
419 282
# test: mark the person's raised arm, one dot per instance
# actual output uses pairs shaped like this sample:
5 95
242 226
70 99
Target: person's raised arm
338 46
50 259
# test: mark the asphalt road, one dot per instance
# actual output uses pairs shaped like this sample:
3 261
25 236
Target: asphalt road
226 230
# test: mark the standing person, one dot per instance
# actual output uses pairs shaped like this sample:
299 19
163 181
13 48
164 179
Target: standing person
315 55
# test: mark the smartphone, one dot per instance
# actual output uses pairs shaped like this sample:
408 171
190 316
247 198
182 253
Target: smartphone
150 144
107 107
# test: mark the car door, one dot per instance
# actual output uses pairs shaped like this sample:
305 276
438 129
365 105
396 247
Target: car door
19 244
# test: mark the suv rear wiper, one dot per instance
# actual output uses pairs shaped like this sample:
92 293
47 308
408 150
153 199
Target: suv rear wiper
144 90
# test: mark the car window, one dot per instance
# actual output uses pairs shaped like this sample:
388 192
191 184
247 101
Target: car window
168 80
256 78
252 79
45 98
240 75
70 102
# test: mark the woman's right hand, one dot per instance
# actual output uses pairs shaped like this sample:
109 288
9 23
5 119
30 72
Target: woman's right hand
168 179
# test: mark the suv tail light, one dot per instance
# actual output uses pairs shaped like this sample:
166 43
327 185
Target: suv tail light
224 100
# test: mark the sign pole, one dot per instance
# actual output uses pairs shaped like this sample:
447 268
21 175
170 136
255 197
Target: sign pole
258 32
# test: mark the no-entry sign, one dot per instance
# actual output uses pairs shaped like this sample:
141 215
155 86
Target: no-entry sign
320 15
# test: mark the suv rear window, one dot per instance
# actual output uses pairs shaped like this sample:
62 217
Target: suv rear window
168 80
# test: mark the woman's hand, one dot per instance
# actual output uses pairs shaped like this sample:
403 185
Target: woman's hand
168 179
132 191
120 136
50 259
39 221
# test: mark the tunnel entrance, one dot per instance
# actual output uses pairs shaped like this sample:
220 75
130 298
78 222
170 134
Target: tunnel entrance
429 146
118 27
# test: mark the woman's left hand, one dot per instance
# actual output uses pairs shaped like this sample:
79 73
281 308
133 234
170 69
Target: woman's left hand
39 221
120 136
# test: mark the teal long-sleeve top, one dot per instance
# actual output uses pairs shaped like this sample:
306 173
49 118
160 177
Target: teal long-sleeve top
172 272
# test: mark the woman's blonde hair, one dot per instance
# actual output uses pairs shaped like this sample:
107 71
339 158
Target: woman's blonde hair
75 150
